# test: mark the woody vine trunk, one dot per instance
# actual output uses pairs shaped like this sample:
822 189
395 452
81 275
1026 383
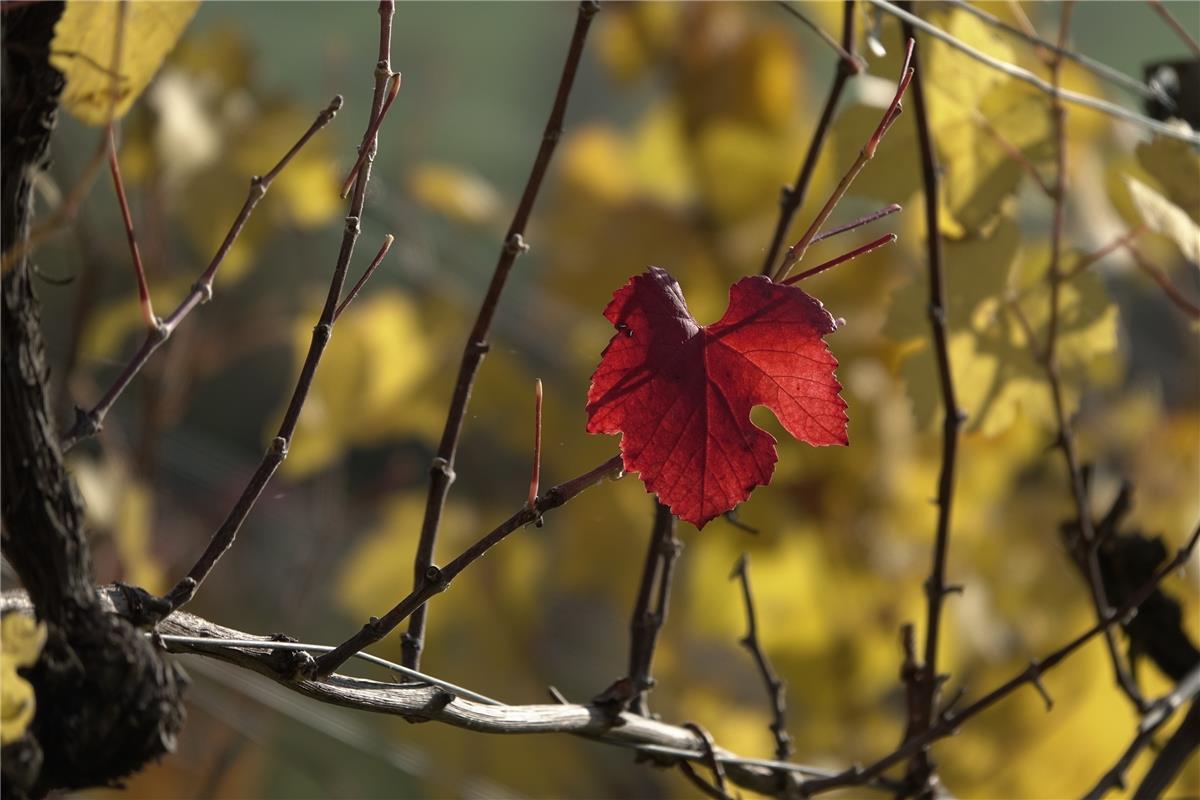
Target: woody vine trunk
107 700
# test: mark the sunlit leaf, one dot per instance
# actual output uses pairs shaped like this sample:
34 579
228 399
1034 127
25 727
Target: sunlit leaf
1166 218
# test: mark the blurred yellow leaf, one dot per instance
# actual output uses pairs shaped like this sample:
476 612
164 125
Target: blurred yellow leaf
21 640
364 390
83 45
454 192
1176 167
959 83
378 571
1166 218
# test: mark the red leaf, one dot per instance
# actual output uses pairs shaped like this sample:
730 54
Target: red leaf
681 392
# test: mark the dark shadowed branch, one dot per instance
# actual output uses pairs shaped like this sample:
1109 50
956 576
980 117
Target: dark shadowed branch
923 681
650 608
776 690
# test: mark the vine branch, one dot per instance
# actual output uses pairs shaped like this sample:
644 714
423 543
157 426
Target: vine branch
441 473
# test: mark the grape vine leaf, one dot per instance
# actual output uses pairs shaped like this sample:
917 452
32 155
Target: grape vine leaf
680 393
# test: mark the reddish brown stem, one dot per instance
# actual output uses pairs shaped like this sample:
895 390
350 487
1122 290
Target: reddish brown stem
139 271
1184 35
796 252
843 258
442 470
536 474
438 580
366 276
793 196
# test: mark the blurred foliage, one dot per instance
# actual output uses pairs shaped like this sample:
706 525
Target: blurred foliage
21 640
687 121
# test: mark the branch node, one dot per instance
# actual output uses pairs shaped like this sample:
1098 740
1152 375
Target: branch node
515 245
441 466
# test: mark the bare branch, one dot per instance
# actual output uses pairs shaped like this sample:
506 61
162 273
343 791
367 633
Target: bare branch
442 471
949 721
438 580
432 699
224 536
650 609
1065 438
792 196
776 690
1184 35
1097 68
89 423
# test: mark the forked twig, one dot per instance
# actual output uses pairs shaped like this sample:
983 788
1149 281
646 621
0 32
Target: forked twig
89 423
796 252
441 473
224 536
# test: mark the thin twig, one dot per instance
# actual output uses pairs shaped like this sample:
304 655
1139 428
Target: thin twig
1164 282
89 423
1184 35
1065 437
1159 713
1097 68
796 252
1022 74
366 276
926 678
650 608
438 580
535 474
874 216
224 536
776 690
793 196
372 133
949 721
139 271
441 472
861 250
